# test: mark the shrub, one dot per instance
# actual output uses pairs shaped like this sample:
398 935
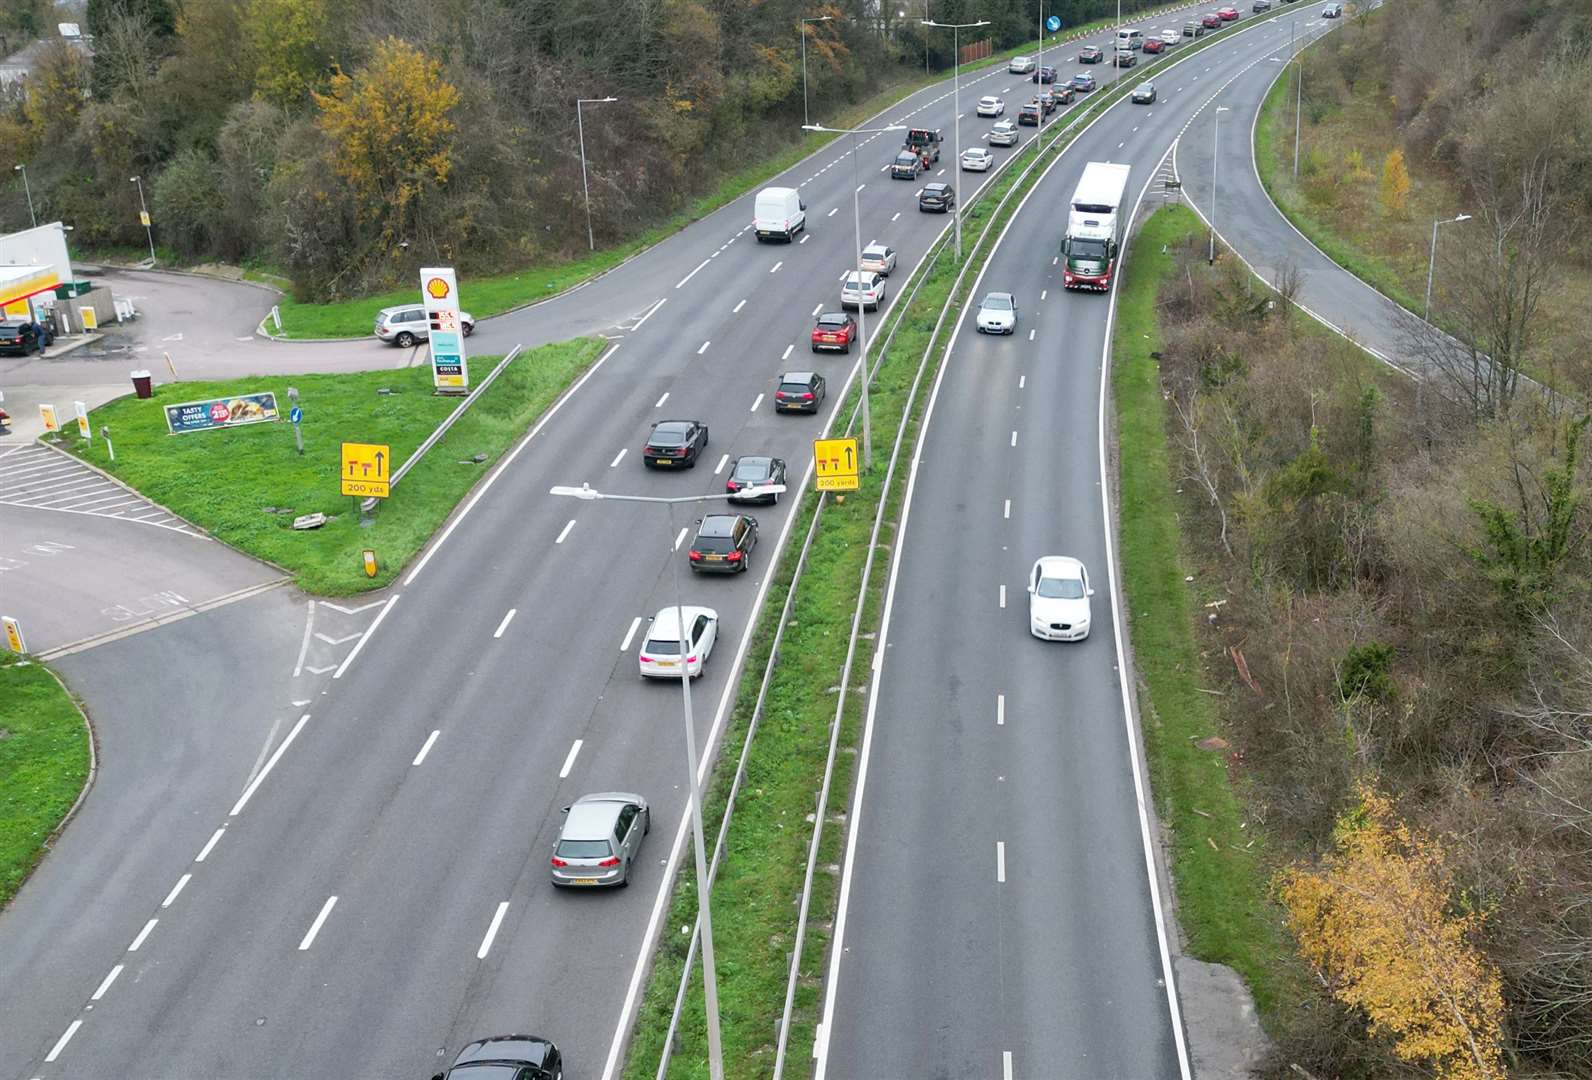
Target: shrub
1367 670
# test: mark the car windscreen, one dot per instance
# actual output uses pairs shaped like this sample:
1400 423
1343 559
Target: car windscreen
996 303
1054 588
1087 249
752 470
667 437
583 849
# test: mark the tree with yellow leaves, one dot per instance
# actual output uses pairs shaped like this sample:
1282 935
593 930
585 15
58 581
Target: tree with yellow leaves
292 42
1395 182
392 133
1375 922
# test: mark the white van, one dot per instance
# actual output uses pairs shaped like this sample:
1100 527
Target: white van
1130 39
779 212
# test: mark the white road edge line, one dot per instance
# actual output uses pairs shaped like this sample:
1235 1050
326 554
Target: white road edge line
182 883
106 985
315 927
360 644
254 785
509 615
66 1037
304 646
425 748
215 838
491 931
569 762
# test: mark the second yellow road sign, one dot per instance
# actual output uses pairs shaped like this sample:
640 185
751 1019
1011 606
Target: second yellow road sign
837 464
366 468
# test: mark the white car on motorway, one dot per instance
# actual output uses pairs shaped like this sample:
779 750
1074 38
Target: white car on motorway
977 159
1004 133
862 290
991 106
997 314
1058 599
1021 65
1170 38
880 258
662 651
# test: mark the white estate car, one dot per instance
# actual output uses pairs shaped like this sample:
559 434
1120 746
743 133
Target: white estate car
661 651
977 159
1058 599
1004 133
997 314
1021 65
991 106
862 290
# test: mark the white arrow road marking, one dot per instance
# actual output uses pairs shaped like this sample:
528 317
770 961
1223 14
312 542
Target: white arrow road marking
334 641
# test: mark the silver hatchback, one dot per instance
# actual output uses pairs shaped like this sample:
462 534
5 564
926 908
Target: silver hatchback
600 839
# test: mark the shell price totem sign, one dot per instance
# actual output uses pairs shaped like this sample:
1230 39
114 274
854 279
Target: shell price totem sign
439 291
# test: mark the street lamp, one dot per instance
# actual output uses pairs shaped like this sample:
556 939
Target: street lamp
580 126
956 103
1431 266
862 315
1216 126
23 169
143 213
820 18
705 911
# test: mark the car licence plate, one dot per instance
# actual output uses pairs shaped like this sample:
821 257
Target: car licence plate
714 558
585 881
662 461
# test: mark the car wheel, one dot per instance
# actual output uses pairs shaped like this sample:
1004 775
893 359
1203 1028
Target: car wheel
846 348
646 823
624 882
816 349
469 328
405 340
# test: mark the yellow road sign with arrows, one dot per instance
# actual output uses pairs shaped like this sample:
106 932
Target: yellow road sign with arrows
366 469
838 464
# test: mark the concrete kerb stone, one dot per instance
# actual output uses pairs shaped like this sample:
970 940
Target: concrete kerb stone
88 781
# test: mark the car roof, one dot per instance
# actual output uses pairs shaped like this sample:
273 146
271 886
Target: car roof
798 376
520 1049
1060 566
664 623
876 246
718 525
592 817
401 307
673 425
1006 296
765 461
936 186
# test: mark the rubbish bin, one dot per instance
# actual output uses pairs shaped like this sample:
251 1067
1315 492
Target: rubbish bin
142 384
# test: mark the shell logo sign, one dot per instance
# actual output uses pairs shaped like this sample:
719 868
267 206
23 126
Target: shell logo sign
437 288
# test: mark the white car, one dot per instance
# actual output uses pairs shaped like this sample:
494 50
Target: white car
1170 37
1021 65
991 106
977 159
1004 133
862 290
1058 599
880 258
660 652
997 314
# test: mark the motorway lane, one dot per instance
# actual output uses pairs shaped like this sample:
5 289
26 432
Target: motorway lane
427 861
984 735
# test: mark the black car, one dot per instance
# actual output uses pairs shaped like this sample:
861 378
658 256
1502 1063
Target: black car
754 471
675 442
724 544
523 1057
939 197
21 336
799 391
1046 74
1090 54
1144 94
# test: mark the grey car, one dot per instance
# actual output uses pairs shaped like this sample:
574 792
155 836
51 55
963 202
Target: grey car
407 325
600 839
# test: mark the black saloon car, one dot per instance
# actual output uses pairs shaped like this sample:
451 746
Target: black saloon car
754 471
523 1057
675 442
21 336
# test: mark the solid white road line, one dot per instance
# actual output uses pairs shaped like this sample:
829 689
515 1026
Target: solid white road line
680 539
425 748
704 347
569 762
106 985
689 276
1007 514
1003 596
723 461
315 927
504 625
66 1037
775 268
491 931
736 310
360 644
756 403
653 309
562 533
1000 860
304 646
142 934
624 646
1000 710
215 838
618 458
182 883
659 403
786 354
254 785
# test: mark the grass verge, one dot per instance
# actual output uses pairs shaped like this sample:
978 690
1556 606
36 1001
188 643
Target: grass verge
1220 882
267 483
493 295
43 765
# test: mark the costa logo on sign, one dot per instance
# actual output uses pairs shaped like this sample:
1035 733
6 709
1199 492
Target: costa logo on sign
437 288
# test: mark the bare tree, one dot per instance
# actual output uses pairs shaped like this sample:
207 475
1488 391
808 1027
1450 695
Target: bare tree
1203 469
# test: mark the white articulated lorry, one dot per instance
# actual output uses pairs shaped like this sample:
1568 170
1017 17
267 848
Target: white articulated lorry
1094 227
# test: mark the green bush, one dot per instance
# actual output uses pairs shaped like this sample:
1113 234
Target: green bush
1367 670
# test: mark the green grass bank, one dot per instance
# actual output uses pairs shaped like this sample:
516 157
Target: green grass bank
44 762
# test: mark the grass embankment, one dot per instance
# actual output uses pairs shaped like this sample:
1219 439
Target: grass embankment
225 481
43 765
1221 889
486 296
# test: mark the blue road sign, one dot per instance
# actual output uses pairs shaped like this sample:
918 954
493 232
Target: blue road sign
295 414
1053 23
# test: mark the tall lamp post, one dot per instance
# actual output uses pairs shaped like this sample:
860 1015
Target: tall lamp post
143 214
585 189
1216 126
862 316
956 103
1039 71
1431 266
820 18
705 911
23 169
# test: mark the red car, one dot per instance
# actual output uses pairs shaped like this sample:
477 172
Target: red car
835 330
1153 45
1211 20
1228 14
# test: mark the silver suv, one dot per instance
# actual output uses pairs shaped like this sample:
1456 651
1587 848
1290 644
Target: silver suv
406 325
600 839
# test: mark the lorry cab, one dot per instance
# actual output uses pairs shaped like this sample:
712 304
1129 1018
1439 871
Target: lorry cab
1088 258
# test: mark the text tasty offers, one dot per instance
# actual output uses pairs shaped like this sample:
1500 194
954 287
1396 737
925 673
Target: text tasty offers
221 413
439 290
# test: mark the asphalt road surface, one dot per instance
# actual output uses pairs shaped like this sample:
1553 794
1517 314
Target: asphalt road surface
420 784
1000 911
